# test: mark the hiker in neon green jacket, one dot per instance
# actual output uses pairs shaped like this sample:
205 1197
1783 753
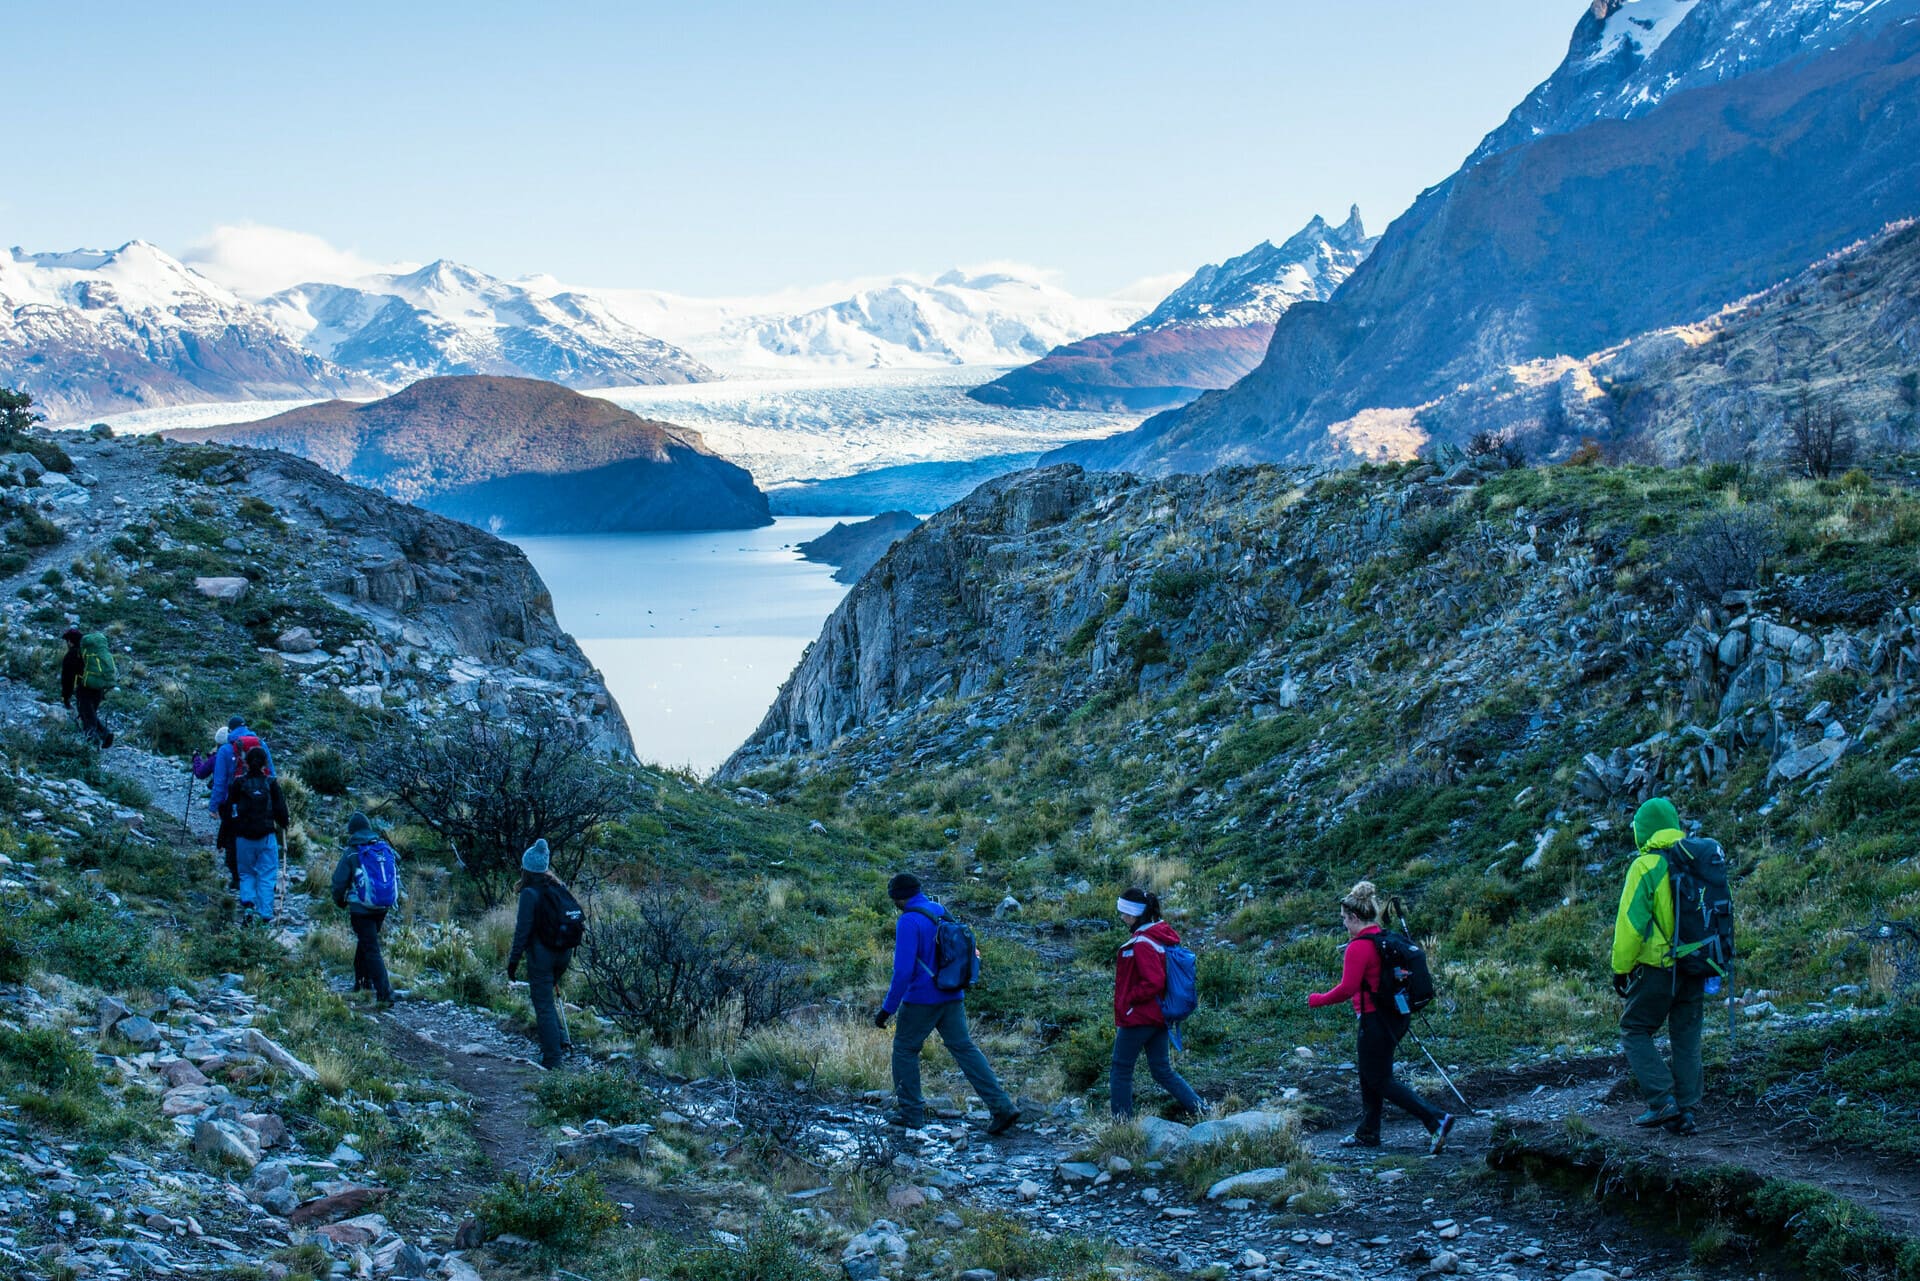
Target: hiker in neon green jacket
1644 974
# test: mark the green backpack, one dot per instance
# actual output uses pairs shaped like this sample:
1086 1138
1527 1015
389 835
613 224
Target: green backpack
100 673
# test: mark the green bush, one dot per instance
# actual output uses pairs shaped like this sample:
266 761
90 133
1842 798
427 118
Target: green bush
609 1094
46 1058
178 722
1004 1245
562 1212
15 961
1224 977
325 770
90 944
34 530
772 1253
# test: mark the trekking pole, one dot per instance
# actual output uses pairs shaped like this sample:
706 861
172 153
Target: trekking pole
1442 1071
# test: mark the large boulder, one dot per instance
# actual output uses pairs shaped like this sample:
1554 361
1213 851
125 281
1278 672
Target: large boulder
1163 1136
1239 1125
223 589
227 1140
1251 1181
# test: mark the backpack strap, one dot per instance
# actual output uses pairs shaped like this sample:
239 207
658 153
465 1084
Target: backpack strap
921 911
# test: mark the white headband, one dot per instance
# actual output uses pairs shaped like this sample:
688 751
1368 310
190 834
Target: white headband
1129 907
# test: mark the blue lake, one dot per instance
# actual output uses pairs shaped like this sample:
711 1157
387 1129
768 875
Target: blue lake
694 632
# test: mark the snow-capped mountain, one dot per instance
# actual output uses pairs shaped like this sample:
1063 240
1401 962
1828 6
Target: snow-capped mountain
100 331
449 319
1206 334
986 318
1629 56
1257 286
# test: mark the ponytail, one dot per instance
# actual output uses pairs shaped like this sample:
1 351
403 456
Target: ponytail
1363 902
1148 900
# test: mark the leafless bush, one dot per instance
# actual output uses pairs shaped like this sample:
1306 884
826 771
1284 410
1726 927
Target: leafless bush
1820 439
673 968
491 790
1502 446
1726 552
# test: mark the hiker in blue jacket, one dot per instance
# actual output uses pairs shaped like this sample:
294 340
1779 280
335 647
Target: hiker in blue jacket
223 760
924 1009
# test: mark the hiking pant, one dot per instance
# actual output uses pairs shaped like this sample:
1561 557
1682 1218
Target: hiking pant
1380 1035
225 840
1127 1044
259 863
87 703
1652 999
546 966
912 1025
369 967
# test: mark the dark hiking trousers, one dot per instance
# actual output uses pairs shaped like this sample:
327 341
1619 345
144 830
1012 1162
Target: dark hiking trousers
1380 1036
912 1025
87 703
369 967
546 966
1653 999
1128 1042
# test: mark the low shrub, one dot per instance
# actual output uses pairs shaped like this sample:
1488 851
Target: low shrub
91 944
325 770
608 1094
772 1253
559 1211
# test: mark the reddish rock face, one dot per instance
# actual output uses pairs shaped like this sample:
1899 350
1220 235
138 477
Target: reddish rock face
330 1209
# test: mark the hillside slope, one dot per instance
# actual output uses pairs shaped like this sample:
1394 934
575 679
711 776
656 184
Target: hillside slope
516 454
1576 240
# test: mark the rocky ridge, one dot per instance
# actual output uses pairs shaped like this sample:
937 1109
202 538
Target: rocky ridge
387 607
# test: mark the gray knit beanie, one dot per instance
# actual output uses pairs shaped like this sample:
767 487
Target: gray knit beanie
536 859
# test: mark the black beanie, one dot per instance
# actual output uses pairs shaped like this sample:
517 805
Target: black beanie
903 887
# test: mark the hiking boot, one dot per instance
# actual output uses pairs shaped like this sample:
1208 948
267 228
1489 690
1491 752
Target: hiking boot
1001 1122
901 1121
1360 1141
1440 1133
1659 1114
1684 1124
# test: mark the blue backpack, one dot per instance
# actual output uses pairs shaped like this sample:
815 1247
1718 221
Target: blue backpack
956 957
376 881
1183 986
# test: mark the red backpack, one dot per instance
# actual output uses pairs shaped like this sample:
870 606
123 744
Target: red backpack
241 746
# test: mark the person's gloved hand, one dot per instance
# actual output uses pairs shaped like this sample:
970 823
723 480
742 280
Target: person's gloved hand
1619 985
880 1018
512 976
68 700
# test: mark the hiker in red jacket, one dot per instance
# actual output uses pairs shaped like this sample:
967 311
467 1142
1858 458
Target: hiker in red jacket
1139 981
1381 1029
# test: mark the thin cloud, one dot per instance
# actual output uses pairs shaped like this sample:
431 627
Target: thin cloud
255 260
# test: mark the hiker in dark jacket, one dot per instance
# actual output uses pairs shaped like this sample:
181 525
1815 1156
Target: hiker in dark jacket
258 811
352 889
224 758
1381 1028
547 963
87 673
1139 981
924 1008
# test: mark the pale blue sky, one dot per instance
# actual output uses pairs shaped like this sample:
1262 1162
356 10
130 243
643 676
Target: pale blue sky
732 148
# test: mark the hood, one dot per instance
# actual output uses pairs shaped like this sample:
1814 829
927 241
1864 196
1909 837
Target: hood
1161 933
1655 818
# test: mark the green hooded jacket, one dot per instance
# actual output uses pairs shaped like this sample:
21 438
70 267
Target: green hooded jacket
1643 930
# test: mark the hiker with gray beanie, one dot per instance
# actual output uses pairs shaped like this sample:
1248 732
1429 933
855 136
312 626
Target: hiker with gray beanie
546 929
366 882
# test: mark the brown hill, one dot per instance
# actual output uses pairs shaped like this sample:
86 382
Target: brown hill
516 455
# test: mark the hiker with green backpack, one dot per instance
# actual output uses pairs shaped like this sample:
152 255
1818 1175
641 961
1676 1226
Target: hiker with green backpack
547 927
1672 950
87 673
1385 976
935 961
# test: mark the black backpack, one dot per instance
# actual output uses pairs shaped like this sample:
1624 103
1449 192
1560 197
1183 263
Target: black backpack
1406 984
956 957
559 924
1702 945
252 801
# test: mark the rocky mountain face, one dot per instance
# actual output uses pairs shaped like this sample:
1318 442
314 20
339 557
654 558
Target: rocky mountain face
346 594
516 454
1843 335
98 332
449 319
1247 603
1576 240
1207 334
